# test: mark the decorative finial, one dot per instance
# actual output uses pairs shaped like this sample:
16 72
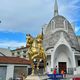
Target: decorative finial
55 8
42 31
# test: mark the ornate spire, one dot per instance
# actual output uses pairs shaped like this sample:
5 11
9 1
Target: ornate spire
42 31
55 8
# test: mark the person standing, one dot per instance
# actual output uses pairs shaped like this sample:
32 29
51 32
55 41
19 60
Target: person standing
48 69
54 71
62 72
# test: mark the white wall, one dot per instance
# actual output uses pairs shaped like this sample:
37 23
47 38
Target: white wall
10 71
78 70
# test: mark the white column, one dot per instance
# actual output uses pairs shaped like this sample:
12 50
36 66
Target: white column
52 60
54 24
10 71
64 24
21 53
27 69
74 62
15 53
51 25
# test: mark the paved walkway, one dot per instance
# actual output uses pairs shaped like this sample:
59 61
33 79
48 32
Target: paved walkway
72 76
45 77
68 77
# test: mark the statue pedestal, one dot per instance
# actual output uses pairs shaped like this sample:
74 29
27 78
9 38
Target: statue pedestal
32 77
36 77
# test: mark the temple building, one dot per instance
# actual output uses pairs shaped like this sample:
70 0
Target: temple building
61 44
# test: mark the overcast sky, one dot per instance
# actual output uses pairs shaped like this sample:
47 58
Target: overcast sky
19 17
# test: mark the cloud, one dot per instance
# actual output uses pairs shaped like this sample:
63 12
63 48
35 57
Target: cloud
22 15
70 10
11 44
28 16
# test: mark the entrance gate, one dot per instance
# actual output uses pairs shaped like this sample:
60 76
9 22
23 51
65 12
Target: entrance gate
62 66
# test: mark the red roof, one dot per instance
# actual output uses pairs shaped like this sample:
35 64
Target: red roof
13 60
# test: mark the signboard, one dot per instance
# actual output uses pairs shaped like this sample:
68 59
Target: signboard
55 76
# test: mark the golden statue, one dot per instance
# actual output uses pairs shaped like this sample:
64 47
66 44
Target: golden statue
36 51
